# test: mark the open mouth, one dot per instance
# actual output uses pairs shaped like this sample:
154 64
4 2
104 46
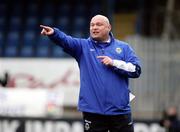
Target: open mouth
95 33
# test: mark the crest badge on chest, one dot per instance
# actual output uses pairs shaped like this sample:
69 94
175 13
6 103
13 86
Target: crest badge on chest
118 50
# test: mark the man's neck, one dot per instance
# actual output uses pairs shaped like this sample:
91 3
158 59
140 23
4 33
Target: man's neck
108 40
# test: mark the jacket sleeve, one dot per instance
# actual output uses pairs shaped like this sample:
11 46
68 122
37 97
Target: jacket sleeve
130 58
69 44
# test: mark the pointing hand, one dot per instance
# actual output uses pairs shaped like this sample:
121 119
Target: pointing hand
46 30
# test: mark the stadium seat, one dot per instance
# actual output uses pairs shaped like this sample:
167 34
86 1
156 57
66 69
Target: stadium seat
1 54
42 51
47 21
12 44
2 23
42 47
1 39
11 51
1 43
78 34
48 9
20 20
64 9
29 38
43 41
31 23
95 9
57 51
15 23
63 23
80 10
32 9
79 23
27 51
13 38
2 9
16 9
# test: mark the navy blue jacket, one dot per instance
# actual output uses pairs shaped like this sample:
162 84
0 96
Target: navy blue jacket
103 89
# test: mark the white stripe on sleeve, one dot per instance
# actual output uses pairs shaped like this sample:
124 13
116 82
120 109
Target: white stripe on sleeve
124 66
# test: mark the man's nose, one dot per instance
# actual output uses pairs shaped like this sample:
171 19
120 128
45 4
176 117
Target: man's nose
95 27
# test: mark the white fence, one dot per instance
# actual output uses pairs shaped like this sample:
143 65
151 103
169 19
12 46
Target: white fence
159 85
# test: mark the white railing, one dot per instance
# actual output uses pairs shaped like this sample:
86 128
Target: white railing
159 85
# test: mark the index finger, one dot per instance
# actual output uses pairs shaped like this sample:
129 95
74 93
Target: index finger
45 27
101 57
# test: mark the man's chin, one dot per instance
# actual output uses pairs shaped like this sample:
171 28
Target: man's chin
96 38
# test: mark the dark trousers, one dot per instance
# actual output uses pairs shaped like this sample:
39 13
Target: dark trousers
107 123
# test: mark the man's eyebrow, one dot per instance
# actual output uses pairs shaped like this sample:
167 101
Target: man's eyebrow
95 22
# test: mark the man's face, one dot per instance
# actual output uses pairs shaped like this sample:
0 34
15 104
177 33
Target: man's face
100 28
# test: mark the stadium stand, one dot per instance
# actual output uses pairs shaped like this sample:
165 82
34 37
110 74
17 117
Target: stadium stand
12 44
19 27
1 44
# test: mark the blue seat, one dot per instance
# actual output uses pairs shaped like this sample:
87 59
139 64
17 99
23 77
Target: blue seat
95 9
2 23
79 24
48 9
32 9
31 23
64 9
11 51
3 9
48 21
13 38
42 49
1 54
15 23
78 34
81 10
63 23
12 44
57 51
43 41
1 39
27 51
16 9
1 43
29 38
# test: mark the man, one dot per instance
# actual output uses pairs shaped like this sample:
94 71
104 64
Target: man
170 120
105 65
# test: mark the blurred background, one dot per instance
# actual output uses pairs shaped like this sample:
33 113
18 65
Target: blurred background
39 80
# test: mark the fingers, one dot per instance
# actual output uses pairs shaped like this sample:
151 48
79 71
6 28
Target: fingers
46 30
105 60
45 27
43 32
101 57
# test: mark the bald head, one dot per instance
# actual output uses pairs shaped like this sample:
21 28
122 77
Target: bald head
101 17
100 28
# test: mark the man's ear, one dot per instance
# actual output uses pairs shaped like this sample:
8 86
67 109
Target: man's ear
109 27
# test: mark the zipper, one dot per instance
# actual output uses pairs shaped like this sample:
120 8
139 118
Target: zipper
103 51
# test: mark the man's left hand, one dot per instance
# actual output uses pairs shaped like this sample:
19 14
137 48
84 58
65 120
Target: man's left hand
106 60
